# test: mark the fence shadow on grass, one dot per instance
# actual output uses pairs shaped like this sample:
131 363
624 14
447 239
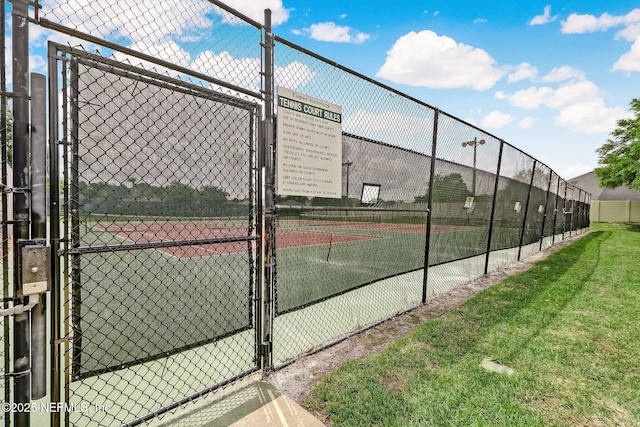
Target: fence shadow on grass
532 299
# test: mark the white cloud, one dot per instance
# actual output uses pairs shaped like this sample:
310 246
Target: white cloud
526 123
330 32
630 33
293 75
255 10
630 61
579 24
165 51
545 18
146 20
523 71
37 64
500 95
241 72
579 105
244 72
496 120
426 59
589 117
565 72
530 98
480 21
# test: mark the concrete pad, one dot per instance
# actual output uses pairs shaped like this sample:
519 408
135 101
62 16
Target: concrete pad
281 412
257 403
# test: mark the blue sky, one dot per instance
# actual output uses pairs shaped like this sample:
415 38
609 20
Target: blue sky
551 78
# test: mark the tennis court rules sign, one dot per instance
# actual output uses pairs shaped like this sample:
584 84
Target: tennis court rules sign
308 146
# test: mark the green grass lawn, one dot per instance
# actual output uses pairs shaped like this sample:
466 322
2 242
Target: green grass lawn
569 328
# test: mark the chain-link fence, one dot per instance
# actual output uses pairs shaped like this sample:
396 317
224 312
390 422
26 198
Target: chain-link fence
179 266
158 230
428 202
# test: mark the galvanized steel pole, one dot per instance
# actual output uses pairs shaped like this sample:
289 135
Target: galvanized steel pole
21 350
38 227
268 237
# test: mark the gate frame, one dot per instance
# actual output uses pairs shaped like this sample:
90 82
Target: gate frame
64 248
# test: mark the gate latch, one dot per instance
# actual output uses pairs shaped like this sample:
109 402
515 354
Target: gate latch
35 267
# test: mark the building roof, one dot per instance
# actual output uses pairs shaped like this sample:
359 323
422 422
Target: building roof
590 183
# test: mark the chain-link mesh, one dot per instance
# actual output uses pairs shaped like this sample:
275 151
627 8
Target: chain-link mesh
462 203
186 38
159 210
336 258
343 263
550 213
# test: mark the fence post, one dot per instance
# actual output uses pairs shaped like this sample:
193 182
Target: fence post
38 227
526 209
493 209
5 205
432 168
268 225
564 210
555 212
54 212
546 204
571 213
21 350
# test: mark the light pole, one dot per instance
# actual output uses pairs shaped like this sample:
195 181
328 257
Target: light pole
474 144
347 164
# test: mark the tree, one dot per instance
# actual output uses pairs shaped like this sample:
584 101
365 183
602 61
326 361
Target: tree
449 188
619 157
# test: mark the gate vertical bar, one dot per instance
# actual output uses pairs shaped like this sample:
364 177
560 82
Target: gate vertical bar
493 208
20 69
38 227
432 169
268 231
526 209
54 212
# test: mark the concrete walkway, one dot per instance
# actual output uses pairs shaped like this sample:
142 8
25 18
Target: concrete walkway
255 404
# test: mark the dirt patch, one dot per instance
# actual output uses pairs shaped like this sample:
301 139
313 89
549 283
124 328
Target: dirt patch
298 379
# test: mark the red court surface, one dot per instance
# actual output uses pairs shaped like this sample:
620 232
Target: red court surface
143 233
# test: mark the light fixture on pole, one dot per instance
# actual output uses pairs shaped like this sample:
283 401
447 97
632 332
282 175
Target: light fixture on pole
474 144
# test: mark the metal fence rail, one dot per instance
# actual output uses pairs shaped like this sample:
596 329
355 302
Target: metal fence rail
179 264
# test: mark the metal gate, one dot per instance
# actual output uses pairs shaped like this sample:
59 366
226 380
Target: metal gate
154 235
